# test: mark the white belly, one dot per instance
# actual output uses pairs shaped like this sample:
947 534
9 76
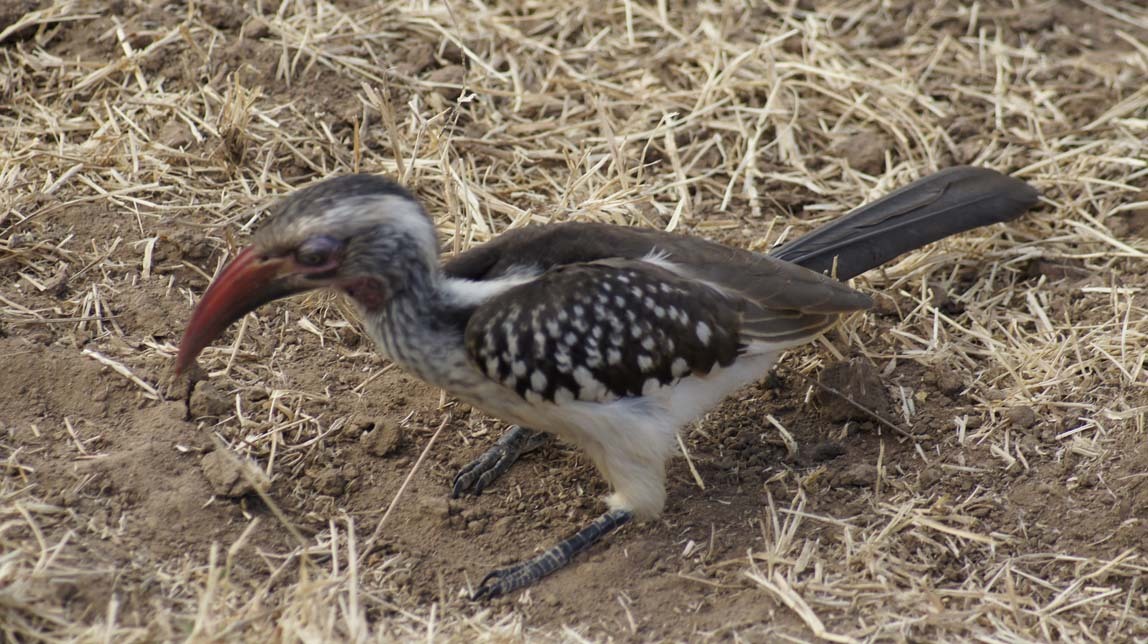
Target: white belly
629 439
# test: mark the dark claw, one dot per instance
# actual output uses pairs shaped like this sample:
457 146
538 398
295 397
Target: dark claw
506 580
477 474
491 464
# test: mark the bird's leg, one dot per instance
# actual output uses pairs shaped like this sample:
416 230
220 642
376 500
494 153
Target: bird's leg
524 573
476 475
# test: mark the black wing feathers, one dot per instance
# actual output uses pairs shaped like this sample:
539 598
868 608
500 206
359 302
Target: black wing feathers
927 210
602 330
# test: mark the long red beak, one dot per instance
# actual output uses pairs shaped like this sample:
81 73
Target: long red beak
245 284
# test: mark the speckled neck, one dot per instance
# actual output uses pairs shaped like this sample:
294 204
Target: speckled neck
421 330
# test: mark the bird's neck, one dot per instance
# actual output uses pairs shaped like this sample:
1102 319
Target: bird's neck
419 326
422 325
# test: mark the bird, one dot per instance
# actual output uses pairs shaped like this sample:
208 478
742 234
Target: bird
609 337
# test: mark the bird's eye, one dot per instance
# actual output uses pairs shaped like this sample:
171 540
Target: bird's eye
317 251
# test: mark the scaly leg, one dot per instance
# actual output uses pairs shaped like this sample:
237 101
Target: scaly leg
524 573
480 472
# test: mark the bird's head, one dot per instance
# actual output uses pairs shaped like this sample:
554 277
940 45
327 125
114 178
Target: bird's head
361 234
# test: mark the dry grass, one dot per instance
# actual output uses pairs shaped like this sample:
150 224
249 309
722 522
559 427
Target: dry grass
730 119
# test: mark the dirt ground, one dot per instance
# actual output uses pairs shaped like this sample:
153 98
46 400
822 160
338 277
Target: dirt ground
294 493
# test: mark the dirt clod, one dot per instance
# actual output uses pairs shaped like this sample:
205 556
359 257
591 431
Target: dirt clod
386 439
501 527
1033 21
207 401
330 481
856 475
179 387
1133 223
929 476
826 451
865 151
858 381
436 506
949 383
450 80
1022 416
175 134
1057 270
229 475
884 304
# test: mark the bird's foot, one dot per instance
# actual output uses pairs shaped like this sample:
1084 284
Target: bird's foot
476 475
524 573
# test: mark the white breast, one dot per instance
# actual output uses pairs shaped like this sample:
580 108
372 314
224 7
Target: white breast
629 439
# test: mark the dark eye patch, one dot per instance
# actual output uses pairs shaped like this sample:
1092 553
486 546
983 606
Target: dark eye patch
318 251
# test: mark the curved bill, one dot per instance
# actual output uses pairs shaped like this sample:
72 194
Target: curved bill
244 285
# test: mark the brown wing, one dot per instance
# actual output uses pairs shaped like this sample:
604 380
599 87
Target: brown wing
925 211
767 283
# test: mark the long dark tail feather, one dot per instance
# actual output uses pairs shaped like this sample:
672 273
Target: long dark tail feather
929 209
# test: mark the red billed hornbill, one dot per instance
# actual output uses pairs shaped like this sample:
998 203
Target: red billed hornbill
611 338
